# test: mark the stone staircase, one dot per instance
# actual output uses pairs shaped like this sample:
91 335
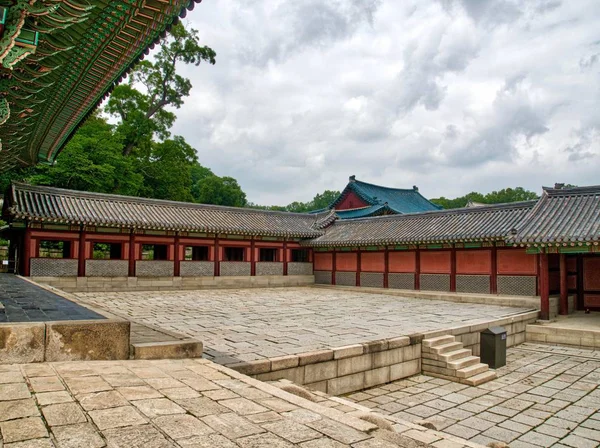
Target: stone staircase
446 358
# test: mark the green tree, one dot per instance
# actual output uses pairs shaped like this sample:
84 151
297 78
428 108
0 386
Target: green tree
92 161
167 170
219 191
495 197
144 115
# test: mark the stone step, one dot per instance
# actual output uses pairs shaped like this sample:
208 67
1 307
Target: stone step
455 355
446 348
473 370
440 340
464 362
479 379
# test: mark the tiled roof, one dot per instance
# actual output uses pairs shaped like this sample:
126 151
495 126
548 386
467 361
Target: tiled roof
492 222
398 200
49 204
567 215
373 210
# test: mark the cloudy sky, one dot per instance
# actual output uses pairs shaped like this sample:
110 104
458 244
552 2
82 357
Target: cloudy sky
449 95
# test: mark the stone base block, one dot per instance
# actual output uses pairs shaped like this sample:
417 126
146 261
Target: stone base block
187 348
87 340
22 343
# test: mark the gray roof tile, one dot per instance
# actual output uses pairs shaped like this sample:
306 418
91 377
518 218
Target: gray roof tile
567 215
492 222
40 203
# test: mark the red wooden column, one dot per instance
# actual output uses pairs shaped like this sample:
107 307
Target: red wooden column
217 257
27 242
252 258
333 267
494 273
358 268
544 287
453 269
564 288
132 254
177 260
580 282
417 270
81 254
386 267
285 257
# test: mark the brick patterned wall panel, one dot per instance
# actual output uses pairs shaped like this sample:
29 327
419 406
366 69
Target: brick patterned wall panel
53 267
269 268
345 278
371 279
435 282
401 281
296 268
197 268
154 268
473 283
517 285
323 277
235 268
106 268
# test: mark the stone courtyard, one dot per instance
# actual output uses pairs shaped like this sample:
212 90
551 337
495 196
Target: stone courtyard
546 396
163 404
251 324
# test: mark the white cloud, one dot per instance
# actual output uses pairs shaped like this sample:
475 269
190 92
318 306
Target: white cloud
450 95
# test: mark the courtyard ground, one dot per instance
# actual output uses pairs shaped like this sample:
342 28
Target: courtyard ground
546 396
168 404
250 324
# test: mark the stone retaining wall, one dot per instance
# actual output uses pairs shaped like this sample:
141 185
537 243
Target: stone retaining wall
355 367
344 369
98 284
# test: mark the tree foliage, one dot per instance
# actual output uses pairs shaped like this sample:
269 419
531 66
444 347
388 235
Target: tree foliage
320 201
144 115
495 197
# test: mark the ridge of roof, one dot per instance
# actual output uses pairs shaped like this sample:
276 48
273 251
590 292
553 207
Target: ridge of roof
451 211
153 202
590 189
407 190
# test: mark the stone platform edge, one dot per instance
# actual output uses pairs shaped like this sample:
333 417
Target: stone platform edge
532 302
74 340
352 368
126 284
174 345
554 334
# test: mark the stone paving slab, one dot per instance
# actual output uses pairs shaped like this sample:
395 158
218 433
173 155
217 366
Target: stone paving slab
545 396
23 301
252 324
167 403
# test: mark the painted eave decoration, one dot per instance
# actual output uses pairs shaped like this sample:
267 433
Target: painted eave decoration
60 58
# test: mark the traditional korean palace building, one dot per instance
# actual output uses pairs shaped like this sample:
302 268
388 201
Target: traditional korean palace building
361 199
547 248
